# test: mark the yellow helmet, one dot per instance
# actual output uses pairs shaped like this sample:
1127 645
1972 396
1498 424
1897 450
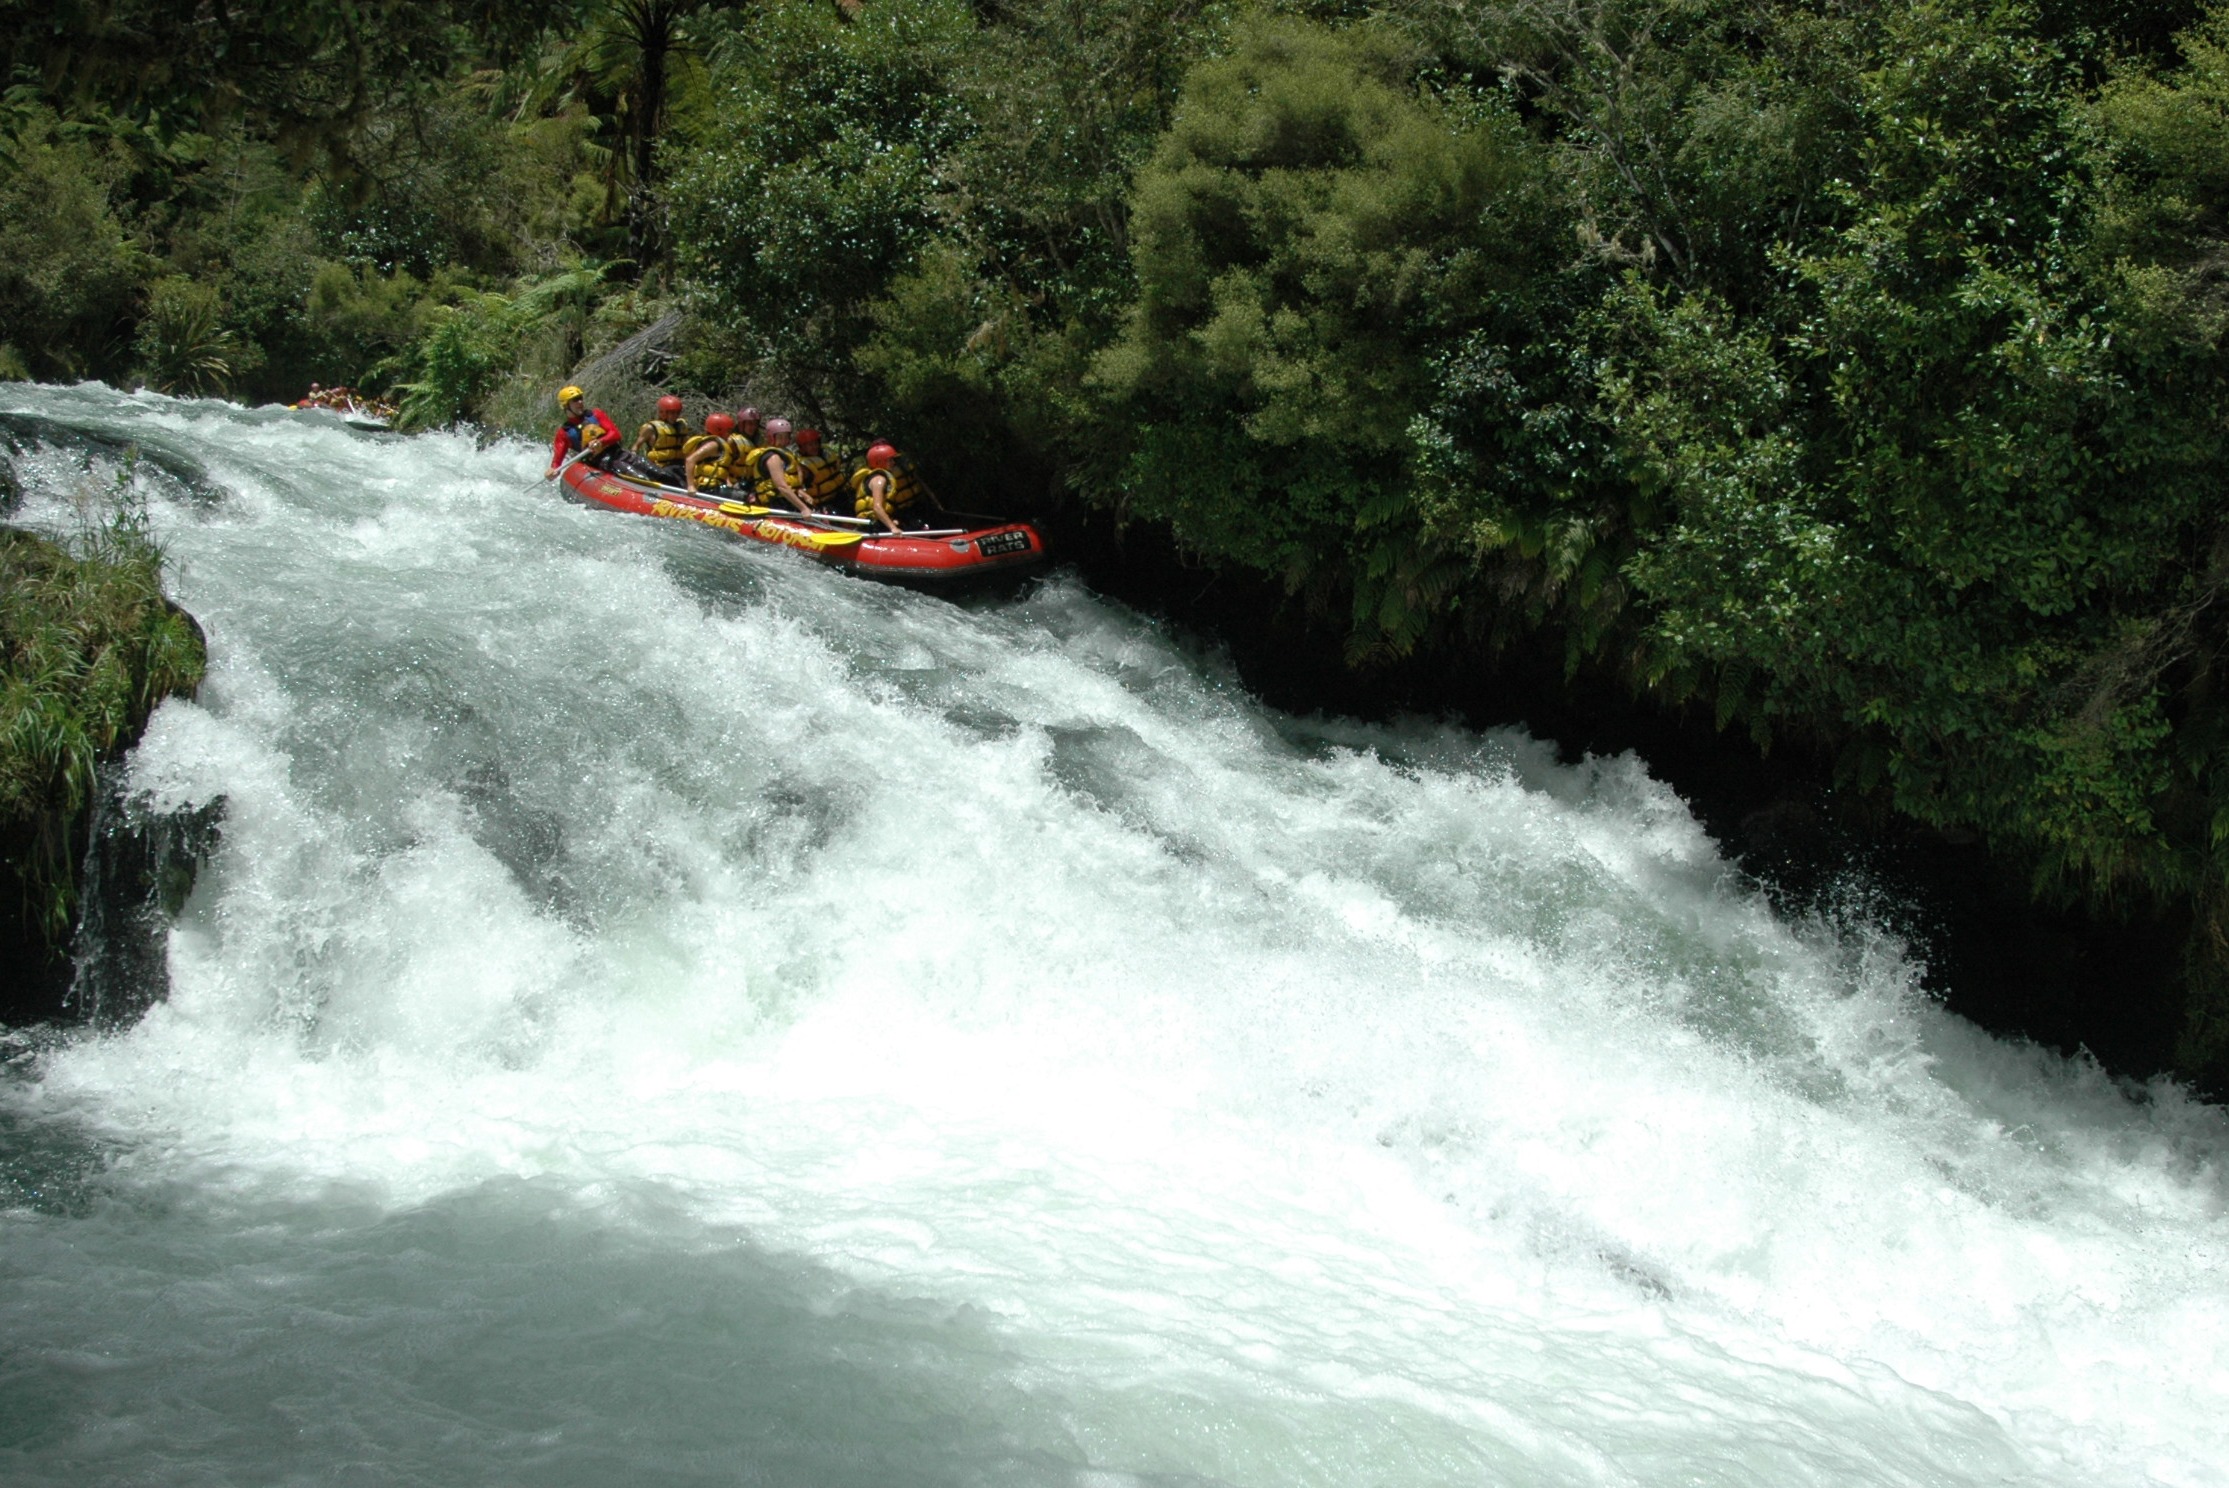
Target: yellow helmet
566 395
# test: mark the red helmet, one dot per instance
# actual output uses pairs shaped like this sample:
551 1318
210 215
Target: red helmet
669 407
777 430
748 417
718 425
880 454
808 439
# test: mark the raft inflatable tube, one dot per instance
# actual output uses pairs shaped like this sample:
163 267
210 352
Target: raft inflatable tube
972 549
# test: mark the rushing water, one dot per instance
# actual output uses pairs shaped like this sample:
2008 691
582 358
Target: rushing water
661 1012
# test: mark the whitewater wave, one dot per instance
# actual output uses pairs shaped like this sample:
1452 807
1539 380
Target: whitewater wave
992 1013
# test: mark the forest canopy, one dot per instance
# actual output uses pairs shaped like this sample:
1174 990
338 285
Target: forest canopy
1854 375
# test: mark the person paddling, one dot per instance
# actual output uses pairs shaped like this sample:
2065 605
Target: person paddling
664 440
819 478
587 432
707 464
773 465
880 489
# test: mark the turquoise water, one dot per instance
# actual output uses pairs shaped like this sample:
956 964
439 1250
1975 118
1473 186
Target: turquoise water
662 1012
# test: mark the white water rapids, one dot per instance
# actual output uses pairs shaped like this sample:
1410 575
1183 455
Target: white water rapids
662 1012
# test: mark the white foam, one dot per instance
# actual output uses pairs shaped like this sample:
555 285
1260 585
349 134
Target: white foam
1332 1101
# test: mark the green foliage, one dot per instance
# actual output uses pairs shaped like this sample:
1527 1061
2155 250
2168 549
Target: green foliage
325 170
979 348
450 372
88 646
1959 522
1311 239
1952 495
437 183
1067 99
183 344
69 271
940 338
368 318
638 62
1693 134
2165 202
457 362
302 71
819 185
1873 404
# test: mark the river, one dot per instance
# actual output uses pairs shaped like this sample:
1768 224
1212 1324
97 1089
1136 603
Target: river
662 1012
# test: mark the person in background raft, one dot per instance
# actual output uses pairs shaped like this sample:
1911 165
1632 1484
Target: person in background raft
663 442
707 464
819 479
587 432
772 466
884 490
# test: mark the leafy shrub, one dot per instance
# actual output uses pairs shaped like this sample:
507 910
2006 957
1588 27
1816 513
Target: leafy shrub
361 318
461 358
816 188
183 344
1310 236
450 373
1959 523
69 273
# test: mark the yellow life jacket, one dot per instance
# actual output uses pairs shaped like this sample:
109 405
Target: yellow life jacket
901 493
817 478
712 470
743 459
668 442
762 480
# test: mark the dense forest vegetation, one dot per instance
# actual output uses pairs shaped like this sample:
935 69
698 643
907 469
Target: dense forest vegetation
1852 372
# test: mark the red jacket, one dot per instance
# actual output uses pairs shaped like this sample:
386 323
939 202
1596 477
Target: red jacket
569 436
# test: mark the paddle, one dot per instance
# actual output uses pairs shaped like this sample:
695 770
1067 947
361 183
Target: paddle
827 541
745 509
821 540
738 509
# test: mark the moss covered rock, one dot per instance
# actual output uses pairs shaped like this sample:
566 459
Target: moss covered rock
89 645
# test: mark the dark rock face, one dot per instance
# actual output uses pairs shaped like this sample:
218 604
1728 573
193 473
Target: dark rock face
131 869
33 974
136 867
139 867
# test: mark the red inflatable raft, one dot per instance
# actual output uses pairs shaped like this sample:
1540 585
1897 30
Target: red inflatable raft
971 548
